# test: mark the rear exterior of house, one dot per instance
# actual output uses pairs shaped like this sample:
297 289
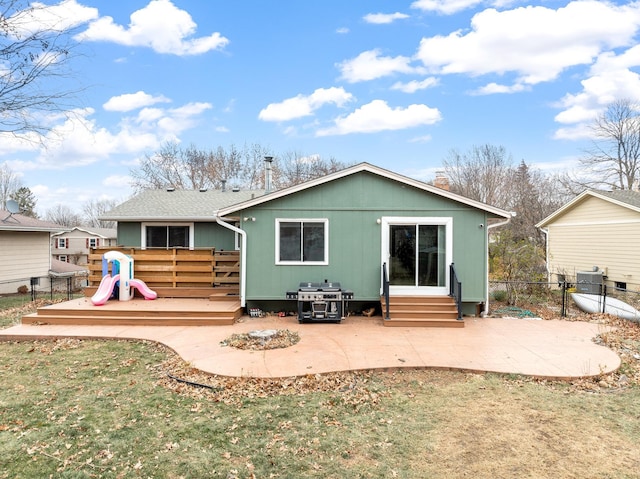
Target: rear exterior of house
598 231
351 225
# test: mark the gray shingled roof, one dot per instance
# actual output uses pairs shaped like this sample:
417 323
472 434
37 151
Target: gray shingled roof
180 205
61 268
629 197
17 222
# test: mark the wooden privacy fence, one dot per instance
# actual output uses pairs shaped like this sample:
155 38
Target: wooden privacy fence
175 268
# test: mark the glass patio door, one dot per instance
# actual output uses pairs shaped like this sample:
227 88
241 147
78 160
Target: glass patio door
417 257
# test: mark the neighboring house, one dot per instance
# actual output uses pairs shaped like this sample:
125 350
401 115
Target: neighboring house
25 252
598 231
73 246
340 228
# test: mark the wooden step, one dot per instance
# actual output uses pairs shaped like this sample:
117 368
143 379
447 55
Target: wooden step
129 321
137 312
421 311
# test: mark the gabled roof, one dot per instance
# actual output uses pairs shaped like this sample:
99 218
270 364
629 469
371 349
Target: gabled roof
17 222
366 167
105 233
625 198
177 205
62 269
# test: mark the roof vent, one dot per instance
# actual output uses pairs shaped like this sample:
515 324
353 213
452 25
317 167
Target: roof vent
236 189
170 188
202 190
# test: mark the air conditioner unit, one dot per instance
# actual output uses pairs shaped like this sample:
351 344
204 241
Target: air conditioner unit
589 282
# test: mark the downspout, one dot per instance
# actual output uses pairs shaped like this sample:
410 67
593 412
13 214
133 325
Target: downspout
491 226
243 257
546 252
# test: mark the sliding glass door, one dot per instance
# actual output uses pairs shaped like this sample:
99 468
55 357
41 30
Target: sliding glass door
417 252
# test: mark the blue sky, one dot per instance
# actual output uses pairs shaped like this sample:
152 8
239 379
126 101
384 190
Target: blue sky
395 83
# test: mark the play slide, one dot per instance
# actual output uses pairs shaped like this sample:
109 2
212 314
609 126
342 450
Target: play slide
143 288
105 289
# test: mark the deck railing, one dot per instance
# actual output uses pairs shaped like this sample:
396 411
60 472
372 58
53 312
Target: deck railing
175 268
385 290
455 289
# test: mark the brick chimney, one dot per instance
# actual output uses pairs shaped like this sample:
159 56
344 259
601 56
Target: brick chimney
441 181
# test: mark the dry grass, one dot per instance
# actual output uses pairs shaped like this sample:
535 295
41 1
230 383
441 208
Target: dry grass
115 409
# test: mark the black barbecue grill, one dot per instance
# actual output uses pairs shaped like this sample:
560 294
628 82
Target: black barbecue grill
320 301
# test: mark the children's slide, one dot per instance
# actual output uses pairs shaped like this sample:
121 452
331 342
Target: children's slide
143 288
105 289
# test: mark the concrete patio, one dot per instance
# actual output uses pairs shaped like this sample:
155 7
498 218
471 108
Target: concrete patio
552 349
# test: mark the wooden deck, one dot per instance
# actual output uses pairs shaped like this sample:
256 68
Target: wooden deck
422 311
140 312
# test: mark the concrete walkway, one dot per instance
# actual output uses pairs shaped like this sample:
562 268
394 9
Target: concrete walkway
554 349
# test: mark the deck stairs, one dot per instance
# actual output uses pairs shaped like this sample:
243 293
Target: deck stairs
421 311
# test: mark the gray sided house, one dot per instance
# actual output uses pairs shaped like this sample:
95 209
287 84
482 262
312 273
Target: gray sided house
340 228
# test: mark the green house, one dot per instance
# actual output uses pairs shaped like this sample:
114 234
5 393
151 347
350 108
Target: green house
367 228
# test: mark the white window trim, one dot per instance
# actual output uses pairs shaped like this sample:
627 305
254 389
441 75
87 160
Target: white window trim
324 221
143 232
447 221
63 241
94 240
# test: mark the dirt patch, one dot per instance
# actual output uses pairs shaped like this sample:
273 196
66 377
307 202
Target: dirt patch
269 339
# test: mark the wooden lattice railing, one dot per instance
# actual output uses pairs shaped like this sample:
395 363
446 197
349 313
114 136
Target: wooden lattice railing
175 268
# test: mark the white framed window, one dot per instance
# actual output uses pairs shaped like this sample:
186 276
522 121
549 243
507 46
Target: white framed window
165 236
63 243
93 242
302 241
64 258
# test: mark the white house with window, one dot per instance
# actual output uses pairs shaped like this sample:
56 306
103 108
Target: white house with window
74 246
25 252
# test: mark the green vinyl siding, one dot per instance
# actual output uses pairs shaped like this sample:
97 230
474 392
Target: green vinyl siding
206 235
129 234
212 235
353 205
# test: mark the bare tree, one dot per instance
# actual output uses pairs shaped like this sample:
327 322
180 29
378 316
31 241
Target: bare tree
481 174
613 161
92 211
9 184
36 51
294 168
533 196
193 168
64 216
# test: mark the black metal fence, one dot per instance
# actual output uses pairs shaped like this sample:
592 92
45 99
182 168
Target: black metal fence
558 293
45 287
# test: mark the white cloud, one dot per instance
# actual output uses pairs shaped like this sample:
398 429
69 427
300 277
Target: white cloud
536 43
304 105
382 18
414 85
378 116
342 30
370 65
160 26
62 16
133 101
610 78
492 88
446 7
117 181
78 140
